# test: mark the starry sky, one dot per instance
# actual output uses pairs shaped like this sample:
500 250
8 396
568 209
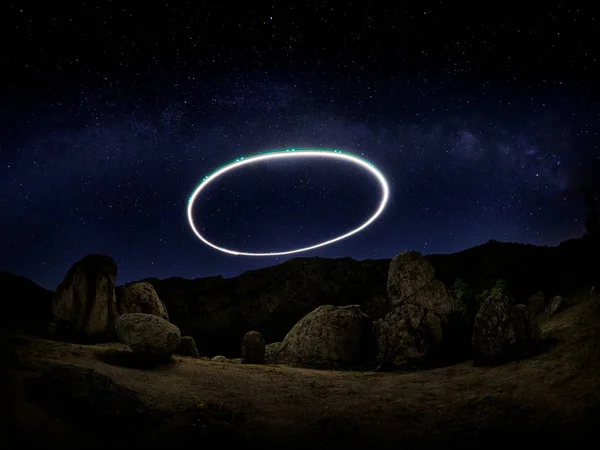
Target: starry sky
484 119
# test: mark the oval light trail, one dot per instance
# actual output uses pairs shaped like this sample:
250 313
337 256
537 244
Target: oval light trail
288 154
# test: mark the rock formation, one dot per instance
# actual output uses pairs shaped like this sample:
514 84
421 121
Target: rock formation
408 334
217 311
420 304
253 348
503 332
151 338
187 347
272 352
411 279
140 297
85 299
330 337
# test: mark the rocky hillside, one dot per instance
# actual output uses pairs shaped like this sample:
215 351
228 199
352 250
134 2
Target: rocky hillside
218 311
526 268
24 303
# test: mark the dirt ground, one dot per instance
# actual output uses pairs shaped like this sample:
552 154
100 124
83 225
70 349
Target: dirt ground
553 398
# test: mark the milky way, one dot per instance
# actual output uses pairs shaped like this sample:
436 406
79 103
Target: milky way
101 149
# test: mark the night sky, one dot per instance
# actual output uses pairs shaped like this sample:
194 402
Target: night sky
484 119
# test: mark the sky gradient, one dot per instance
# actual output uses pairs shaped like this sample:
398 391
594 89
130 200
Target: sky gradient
484 123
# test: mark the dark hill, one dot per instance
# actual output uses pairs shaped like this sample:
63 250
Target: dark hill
219 311
24 303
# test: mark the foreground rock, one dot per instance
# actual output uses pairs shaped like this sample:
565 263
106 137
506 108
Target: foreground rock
503 332
187 347
151 338
272 352
140 297
253 348
90 400
85 301
408 334
330 337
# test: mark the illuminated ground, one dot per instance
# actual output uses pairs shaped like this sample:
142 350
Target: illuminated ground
552 398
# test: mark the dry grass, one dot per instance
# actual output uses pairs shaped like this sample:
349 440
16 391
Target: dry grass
551 396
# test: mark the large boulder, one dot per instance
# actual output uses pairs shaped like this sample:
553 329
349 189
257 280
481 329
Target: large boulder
253 348
411 279
503 332
140 297
420 306
330 337
85 299
151 338
408 272
408 334
187 347
272 352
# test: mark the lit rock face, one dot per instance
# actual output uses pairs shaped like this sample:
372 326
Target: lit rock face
85 300
330 337
151 338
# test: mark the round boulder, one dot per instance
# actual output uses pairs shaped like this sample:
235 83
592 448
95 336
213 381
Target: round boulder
151 338
330 337
502 332
272 352
253 348
140 297
187 347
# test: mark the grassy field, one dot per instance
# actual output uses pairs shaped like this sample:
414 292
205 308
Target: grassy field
551 399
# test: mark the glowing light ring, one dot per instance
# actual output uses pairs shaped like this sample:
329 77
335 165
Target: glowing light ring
283 154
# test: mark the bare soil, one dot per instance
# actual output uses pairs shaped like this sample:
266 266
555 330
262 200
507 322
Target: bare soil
550 399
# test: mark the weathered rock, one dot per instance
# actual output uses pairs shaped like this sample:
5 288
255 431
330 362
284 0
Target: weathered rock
411 280
151 338
502 332
433 296
272 352
556 305
409 333
140 297
86 297
408 272
330 337
535 304
236 361
219 358
187 347
253 348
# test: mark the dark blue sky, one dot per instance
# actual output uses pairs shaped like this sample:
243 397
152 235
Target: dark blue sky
485 124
